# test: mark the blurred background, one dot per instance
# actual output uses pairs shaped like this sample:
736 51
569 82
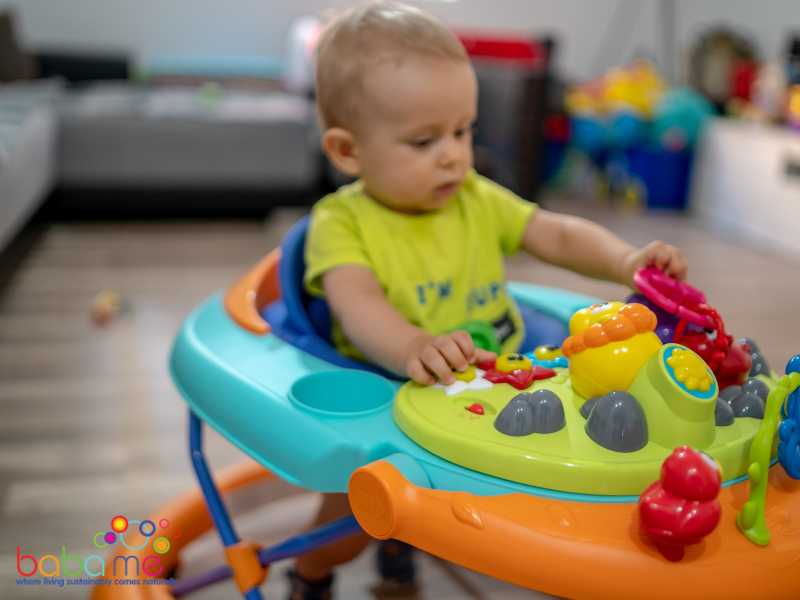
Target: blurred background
151 151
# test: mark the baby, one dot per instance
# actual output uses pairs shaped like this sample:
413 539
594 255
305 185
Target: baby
414 248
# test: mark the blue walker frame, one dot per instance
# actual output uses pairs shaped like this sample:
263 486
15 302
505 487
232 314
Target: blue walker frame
293 546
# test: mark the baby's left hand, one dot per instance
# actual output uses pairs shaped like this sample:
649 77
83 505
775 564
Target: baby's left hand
666 257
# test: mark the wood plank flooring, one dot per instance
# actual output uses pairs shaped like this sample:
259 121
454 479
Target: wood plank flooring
91 426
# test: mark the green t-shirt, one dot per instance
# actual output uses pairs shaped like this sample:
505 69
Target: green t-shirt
438 269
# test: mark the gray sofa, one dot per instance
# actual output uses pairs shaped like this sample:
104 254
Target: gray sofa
118 136
125 136
28 130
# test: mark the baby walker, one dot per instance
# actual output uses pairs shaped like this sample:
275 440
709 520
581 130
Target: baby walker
638 459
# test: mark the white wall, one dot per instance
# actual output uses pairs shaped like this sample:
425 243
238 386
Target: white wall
590 41
593 34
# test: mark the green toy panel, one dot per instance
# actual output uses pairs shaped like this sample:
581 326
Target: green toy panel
569 459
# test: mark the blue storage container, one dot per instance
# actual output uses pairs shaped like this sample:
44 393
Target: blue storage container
663 173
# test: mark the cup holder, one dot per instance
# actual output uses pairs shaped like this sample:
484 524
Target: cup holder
342 393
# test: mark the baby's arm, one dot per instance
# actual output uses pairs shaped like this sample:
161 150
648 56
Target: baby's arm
587 248
373 325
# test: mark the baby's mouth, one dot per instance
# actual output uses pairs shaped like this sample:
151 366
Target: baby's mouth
447 189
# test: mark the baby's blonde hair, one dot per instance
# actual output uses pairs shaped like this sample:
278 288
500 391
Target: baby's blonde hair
364 36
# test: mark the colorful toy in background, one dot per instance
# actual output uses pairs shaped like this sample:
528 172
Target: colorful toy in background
106 306
765 100
613 111
722 66
681 508
638 134
793 108
726 69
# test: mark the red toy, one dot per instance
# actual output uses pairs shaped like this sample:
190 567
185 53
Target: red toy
518 378
730 361
682 507
477 408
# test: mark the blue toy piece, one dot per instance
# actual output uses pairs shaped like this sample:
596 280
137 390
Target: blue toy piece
789 430
560 362
590 134
627 129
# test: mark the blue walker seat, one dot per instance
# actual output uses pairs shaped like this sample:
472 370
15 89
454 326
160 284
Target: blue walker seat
300 319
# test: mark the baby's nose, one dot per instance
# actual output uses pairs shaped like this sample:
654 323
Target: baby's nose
451 154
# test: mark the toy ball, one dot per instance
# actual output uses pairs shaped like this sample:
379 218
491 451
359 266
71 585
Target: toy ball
679 119
106 305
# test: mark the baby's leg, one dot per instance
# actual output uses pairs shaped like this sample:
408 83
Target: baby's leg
319 563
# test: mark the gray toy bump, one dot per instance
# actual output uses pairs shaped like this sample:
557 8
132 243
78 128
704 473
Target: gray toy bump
527 413
751 343
587 407
516 418
748 404
723 414
759 366
548 411
617 423
730 393
757 387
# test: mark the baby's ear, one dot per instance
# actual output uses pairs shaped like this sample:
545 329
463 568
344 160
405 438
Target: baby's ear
340 147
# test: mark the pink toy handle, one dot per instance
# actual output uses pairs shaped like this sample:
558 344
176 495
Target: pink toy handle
673 296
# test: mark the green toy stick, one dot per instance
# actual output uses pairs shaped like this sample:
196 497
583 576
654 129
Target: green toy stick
752 520
483 335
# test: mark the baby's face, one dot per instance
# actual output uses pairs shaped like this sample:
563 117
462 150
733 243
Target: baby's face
415 139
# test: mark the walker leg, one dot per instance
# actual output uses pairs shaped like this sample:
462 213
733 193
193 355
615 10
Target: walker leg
216 508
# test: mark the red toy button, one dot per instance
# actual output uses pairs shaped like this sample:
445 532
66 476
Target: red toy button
520 379
476 408
485 365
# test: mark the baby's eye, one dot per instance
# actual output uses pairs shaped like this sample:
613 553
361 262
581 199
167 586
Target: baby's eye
461 132
421 143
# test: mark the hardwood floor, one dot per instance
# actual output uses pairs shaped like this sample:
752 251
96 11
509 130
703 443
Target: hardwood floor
91 426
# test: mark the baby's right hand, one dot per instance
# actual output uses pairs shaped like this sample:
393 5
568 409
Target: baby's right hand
433 358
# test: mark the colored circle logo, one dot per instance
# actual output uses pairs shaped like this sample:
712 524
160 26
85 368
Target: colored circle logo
119 524
147 528
110 537
174 534
161 545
